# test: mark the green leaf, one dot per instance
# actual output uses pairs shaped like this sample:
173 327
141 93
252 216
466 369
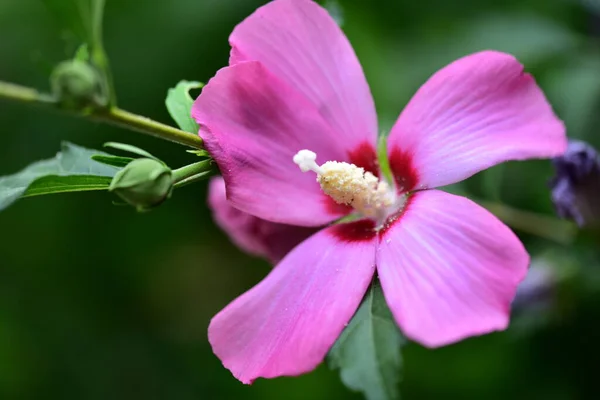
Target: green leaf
179 104
114 161
61 184
71 170
368 350
130 149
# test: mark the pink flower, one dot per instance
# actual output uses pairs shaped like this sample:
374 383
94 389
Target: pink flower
253 235
294 91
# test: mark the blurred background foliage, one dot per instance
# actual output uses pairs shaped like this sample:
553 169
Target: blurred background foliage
99 302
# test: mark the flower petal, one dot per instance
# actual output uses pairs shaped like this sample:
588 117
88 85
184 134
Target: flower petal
287 323
449 269
253 124
253 235
474 113
300 43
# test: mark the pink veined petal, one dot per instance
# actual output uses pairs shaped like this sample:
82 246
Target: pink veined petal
285 325
449 269
300 43
253 124
474 113
253 235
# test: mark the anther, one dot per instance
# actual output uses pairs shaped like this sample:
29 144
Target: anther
349 184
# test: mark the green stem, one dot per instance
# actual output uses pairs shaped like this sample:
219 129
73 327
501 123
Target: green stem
125 119
14 92
113 116
193 172
98 55
536 224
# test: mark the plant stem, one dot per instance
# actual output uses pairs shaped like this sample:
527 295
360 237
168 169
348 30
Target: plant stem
14 92
193 172
98 55
536 224
125 119
113 116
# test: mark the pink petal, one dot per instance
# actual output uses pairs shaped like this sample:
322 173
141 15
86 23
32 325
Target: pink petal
287 323
449 269
253 235
300 43
474 113
253 124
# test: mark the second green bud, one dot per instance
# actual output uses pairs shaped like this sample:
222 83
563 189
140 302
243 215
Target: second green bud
144 183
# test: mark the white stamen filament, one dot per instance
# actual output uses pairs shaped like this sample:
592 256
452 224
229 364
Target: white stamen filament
349 184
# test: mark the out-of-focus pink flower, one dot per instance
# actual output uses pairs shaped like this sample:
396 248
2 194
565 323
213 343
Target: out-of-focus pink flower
253 235
295 93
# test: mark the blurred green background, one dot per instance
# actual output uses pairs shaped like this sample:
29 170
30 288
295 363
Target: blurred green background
99 302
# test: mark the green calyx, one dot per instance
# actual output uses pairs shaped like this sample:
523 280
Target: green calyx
144 183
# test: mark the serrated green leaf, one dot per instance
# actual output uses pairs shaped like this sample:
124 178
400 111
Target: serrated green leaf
130 149
179 104
71 170
368 350
114 161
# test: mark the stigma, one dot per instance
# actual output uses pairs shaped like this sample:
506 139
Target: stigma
350 185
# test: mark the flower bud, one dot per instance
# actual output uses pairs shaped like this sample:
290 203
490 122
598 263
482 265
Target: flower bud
576 185
144 183
77 85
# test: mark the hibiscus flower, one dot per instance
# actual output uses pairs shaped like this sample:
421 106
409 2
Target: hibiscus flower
294 98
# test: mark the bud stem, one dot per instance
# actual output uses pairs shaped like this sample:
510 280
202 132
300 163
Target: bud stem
128 120
13 92
193 172
98 56
111 115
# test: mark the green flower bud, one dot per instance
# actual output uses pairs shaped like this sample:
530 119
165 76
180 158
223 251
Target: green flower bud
144 183
77 85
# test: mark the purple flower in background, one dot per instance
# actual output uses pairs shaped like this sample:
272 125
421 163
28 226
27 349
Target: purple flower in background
536 291
295 93
576 185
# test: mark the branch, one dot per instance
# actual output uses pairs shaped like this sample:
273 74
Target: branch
112 115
